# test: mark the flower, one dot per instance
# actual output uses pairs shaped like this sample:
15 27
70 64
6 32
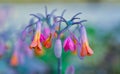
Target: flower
58 48
68 44
36 45
14 59
42 38
75 42
85 48
3 48
46 38
46 31
48 42
45 34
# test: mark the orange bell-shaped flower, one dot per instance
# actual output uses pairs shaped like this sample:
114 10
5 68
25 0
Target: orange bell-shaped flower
36 45
48 42
85 48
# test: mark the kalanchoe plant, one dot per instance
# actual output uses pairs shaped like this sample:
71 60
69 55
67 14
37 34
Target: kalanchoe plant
43 36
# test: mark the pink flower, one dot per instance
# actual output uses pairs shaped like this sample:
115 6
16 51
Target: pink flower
46 32
68 44
42 38
46 38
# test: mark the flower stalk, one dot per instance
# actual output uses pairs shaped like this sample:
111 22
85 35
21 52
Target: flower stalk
59 65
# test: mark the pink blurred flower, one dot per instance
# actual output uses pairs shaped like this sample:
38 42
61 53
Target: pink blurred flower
3 48
70 70
42 38
46 38
46 31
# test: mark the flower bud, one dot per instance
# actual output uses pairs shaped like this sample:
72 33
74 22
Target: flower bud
58 48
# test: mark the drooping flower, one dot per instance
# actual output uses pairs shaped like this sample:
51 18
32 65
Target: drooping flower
46 38
58 48
48 42
68 44
14 59
46 32
42 38
75 45
36 45
85 48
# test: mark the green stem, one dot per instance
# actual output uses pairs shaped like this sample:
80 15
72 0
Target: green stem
59 65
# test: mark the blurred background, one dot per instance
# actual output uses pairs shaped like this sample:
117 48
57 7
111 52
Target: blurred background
103 29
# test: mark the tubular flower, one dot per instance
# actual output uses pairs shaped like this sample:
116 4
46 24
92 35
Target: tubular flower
14 59
85 48
36 45
44 35
68 44
75 45
48 42
42 38
46 32
58 48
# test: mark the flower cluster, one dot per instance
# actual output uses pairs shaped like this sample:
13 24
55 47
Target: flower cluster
47 31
